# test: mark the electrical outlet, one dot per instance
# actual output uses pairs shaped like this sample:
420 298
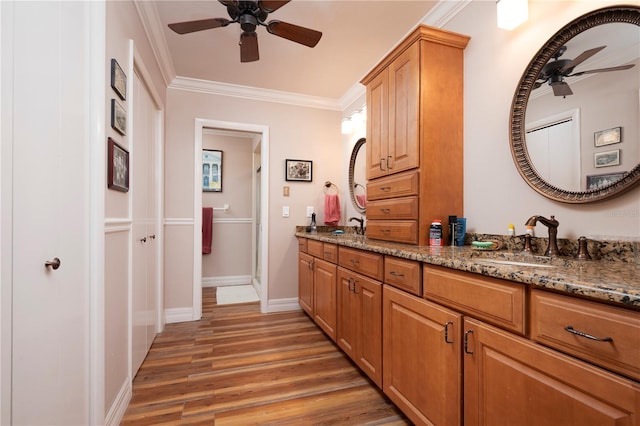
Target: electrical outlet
309 211
285 211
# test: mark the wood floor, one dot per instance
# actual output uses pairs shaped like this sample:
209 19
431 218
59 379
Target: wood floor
237 366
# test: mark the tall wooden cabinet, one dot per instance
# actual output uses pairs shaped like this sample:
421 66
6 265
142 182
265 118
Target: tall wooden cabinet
415 125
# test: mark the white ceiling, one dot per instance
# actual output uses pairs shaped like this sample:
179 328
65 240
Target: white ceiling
356 36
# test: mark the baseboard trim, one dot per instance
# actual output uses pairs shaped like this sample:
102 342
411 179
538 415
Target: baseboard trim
226 281
178 315
280 305
120 404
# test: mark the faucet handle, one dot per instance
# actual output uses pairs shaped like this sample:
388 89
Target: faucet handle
583 252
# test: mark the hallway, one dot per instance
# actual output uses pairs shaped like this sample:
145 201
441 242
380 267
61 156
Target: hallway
238 366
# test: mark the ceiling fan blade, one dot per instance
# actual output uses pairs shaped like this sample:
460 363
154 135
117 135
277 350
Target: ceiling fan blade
249 47
271 5
619 68
561 89
202 24
292 32
581 58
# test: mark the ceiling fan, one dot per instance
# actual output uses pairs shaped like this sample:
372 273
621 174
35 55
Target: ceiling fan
554 72
251 14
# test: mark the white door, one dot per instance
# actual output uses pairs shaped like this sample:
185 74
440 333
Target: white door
144 315
50 344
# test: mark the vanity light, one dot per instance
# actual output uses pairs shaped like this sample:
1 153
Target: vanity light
347 126
512 13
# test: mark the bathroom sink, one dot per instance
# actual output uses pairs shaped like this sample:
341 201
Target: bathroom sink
513 263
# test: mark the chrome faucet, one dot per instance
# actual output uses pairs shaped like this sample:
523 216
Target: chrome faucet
552 224
360 229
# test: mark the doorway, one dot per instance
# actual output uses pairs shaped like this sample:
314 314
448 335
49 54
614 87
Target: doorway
259 209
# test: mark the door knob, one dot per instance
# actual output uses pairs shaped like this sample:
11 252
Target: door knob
143 239
53 264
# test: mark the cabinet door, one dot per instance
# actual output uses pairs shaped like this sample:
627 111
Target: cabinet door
346 327
422 363
377 125
369 334
404 122
305 282
509 380
324 296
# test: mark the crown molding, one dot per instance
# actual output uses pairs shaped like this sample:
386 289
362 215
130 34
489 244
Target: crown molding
150 19
443 12
254 93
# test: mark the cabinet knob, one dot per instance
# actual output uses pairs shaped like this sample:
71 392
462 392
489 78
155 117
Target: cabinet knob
53 264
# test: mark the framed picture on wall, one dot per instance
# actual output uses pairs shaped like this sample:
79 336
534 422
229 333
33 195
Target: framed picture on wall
118 80
600 181
117 167
606 158
211 170
118 117
298 170
607 137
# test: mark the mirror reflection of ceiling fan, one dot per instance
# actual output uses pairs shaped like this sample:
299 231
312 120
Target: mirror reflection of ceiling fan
251 14
555 71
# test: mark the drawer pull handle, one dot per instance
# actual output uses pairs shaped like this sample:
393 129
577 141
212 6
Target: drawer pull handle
571 330
386 231
355 287
466 342
385 188
350 282
381 161
396 274
354 261
327 253
446 332
389 166
385 210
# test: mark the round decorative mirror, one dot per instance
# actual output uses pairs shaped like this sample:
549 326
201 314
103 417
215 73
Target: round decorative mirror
358 177
575 132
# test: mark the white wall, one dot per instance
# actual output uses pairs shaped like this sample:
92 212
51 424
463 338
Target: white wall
494 193
295 132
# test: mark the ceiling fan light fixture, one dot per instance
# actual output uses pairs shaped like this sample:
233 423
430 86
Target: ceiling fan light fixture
512 13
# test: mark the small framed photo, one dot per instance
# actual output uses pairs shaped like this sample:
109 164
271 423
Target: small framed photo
118 167
211 170
118 117
118 80
607 137
600 181
606 158
298 170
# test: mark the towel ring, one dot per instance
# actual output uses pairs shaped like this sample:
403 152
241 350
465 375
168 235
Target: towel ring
328 186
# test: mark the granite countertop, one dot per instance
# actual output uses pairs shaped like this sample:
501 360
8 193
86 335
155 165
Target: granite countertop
612 281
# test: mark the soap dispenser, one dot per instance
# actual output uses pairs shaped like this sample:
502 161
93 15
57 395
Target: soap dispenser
314 228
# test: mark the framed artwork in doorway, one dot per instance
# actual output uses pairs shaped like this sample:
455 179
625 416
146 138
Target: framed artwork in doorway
118 117
118 167
607 158
600 181
211 170
298 170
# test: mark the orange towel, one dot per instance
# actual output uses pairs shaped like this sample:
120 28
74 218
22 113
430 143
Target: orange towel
332 214
207 227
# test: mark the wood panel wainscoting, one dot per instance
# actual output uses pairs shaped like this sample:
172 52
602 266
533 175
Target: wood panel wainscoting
238 366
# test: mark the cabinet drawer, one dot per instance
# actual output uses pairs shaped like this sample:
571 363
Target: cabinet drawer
366 263
397 208
330 252
398 185
302 245
315 248
401 231
403 274
553 314
495 301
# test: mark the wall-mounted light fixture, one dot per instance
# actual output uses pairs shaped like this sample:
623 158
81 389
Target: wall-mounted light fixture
355 122
512 13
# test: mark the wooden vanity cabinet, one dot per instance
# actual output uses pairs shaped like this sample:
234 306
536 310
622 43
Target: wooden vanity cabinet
422 362
415 125
511 380
359 328
317 284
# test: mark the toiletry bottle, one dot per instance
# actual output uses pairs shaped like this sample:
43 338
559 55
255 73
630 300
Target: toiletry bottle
314 228
453 223
512 230
435 233
529 230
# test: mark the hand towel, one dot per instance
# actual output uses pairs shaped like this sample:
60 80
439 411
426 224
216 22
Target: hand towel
207 227
362 200
332 214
